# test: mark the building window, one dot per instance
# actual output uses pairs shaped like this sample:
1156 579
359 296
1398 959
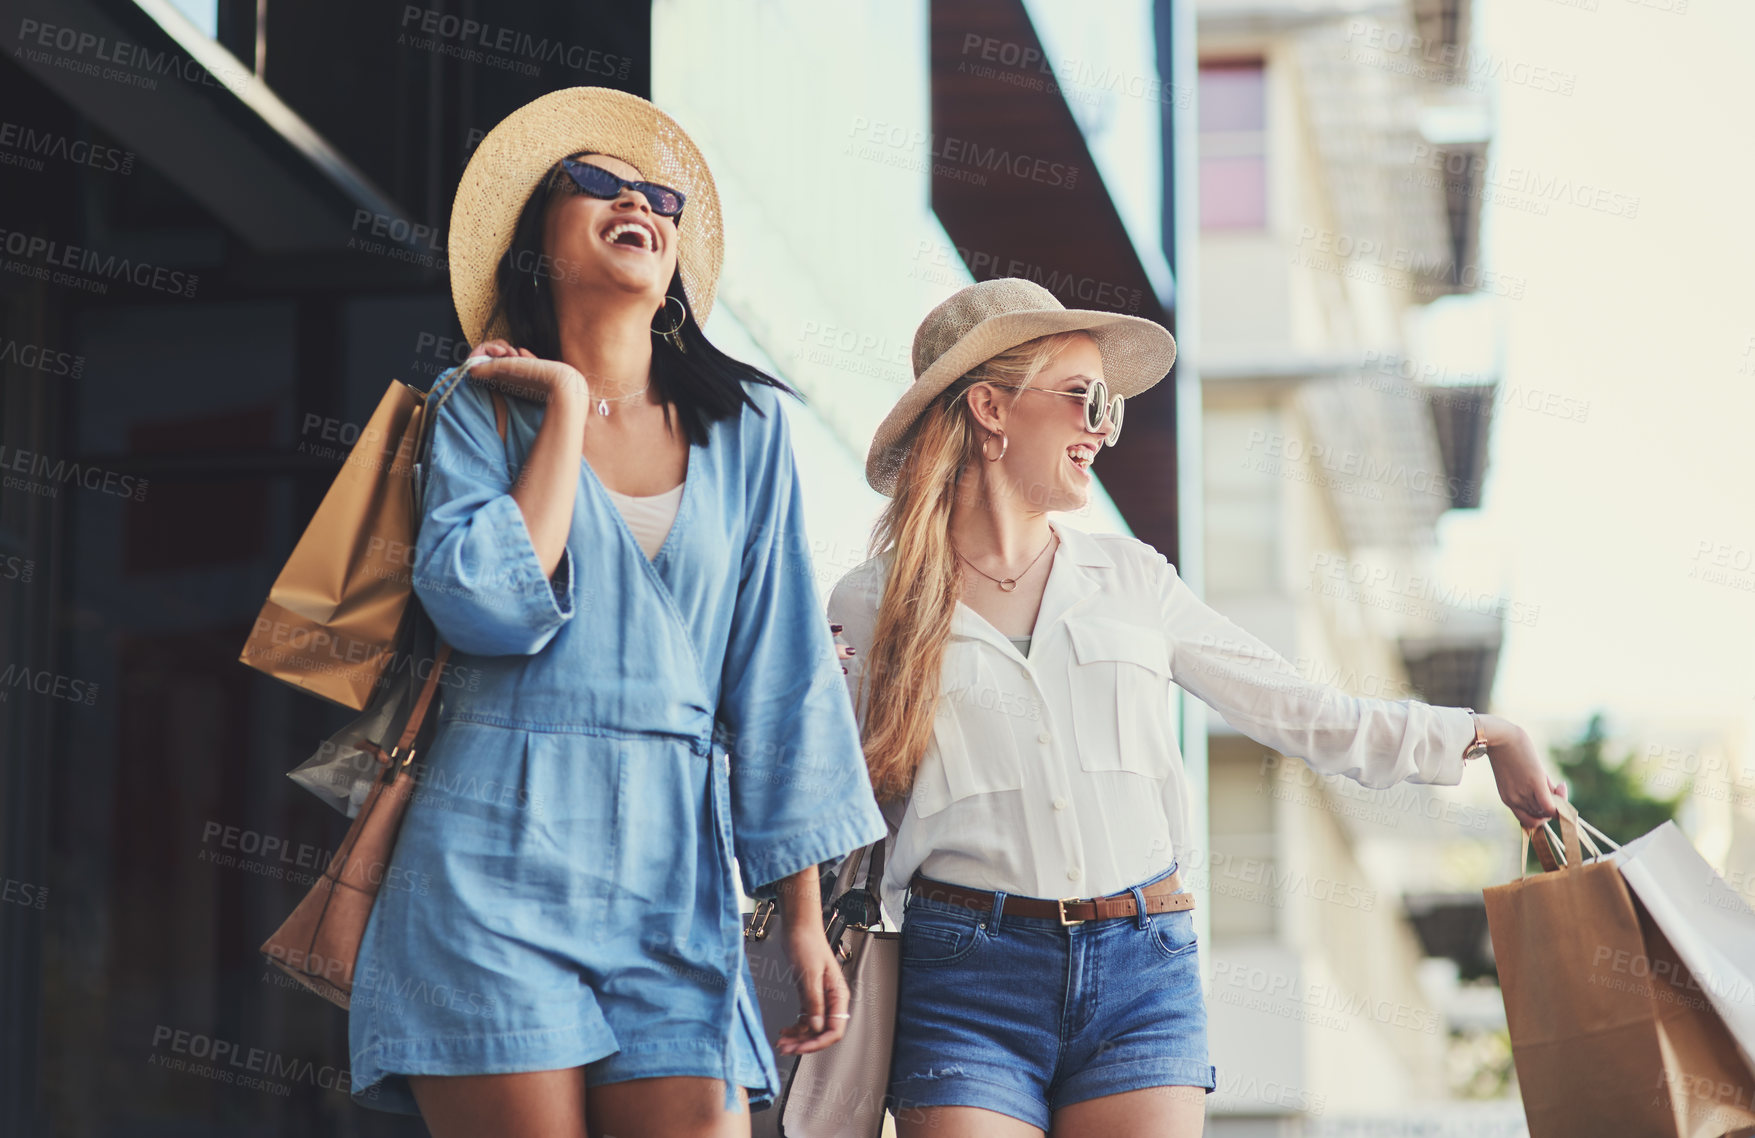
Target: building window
1233 145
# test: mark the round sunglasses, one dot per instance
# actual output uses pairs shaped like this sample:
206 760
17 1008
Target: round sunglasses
1098 407
600 183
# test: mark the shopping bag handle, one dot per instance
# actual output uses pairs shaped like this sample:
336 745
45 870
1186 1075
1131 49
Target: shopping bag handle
1582 821
1575 837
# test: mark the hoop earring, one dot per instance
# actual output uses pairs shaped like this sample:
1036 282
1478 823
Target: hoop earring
1003 443
674 332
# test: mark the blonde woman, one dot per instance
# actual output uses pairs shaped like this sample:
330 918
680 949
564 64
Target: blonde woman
1012 686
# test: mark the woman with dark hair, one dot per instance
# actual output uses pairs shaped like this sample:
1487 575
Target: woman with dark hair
651 689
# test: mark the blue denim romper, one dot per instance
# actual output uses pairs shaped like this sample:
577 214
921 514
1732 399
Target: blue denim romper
561 892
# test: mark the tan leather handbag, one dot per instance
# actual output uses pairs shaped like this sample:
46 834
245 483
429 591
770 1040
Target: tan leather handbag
319 944
332 620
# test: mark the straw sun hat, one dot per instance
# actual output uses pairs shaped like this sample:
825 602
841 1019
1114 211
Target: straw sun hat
512 159
986 318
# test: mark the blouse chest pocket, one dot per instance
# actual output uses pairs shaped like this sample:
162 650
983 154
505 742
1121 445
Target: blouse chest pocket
973 750
1120 688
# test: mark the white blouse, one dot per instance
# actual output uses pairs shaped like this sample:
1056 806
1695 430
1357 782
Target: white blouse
649 516
1058 774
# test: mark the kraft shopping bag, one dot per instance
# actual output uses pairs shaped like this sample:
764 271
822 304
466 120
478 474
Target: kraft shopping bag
334 617
1609 1033
331 620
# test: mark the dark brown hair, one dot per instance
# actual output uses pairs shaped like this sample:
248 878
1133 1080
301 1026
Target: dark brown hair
702 383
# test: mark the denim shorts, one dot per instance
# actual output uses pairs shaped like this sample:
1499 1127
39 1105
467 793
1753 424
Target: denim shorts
1023 1015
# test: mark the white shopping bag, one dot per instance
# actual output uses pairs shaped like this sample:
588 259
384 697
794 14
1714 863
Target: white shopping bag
1709 924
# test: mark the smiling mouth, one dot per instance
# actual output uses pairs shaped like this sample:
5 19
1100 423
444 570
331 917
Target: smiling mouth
1081 456
631 234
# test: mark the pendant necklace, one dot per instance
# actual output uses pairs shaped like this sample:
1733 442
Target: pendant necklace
603 401
1009 583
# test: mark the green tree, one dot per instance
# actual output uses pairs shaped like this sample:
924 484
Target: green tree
1611 797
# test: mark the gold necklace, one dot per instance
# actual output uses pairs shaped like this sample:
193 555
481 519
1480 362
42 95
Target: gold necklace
1009 583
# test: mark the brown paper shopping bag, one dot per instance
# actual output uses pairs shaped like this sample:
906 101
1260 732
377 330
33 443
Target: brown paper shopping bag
333 613
331 621
1609 1031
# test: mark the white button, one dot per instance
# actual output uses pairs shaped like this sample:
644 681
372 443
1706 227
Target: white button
1073 873
1044 737
1060 802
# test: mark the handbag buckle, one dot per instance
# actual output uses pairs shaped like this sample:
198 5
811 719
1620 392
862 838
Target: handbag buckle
1064 919
759 920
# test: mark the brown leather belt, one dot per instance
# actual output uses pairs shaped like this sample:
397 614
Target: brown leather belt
1164 896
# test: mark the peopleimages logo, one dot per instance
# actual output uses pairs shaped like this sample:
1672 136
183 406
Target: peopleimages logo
460 37
896 144
229 1061
87 53
44 682
55 254
48 144
35 464
38 358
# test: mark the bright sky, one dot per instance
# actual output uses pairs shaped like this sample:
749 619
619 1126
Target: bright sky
1649 318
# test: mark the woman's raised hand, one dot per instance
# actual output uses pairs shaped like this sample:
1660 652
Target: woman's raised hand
1524 785
519 372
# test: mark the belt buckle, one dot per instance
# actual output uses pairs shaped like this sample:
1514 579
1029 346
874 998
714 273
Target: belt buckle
1060 905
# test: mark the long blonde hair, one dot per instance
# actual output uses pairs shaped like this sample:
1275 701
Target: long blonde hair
906 656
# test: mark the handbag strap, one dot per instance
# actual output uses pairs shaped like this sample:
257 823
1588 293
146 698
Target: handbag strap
874 877
845 878
419 714
850 871
404 749
838 910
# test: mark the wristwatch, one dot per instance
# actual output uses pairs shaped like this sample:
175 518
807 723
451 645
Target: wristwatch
1478 748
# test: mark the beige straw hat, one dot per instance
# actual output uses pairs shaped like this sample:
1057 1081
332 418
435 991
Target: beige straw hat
512 159
986 318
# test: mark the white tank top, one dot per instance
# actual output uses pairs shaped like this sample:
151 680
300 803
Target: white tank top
649 516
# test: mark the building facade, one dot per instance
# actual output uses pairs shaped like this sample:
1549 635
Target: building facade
1337 152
